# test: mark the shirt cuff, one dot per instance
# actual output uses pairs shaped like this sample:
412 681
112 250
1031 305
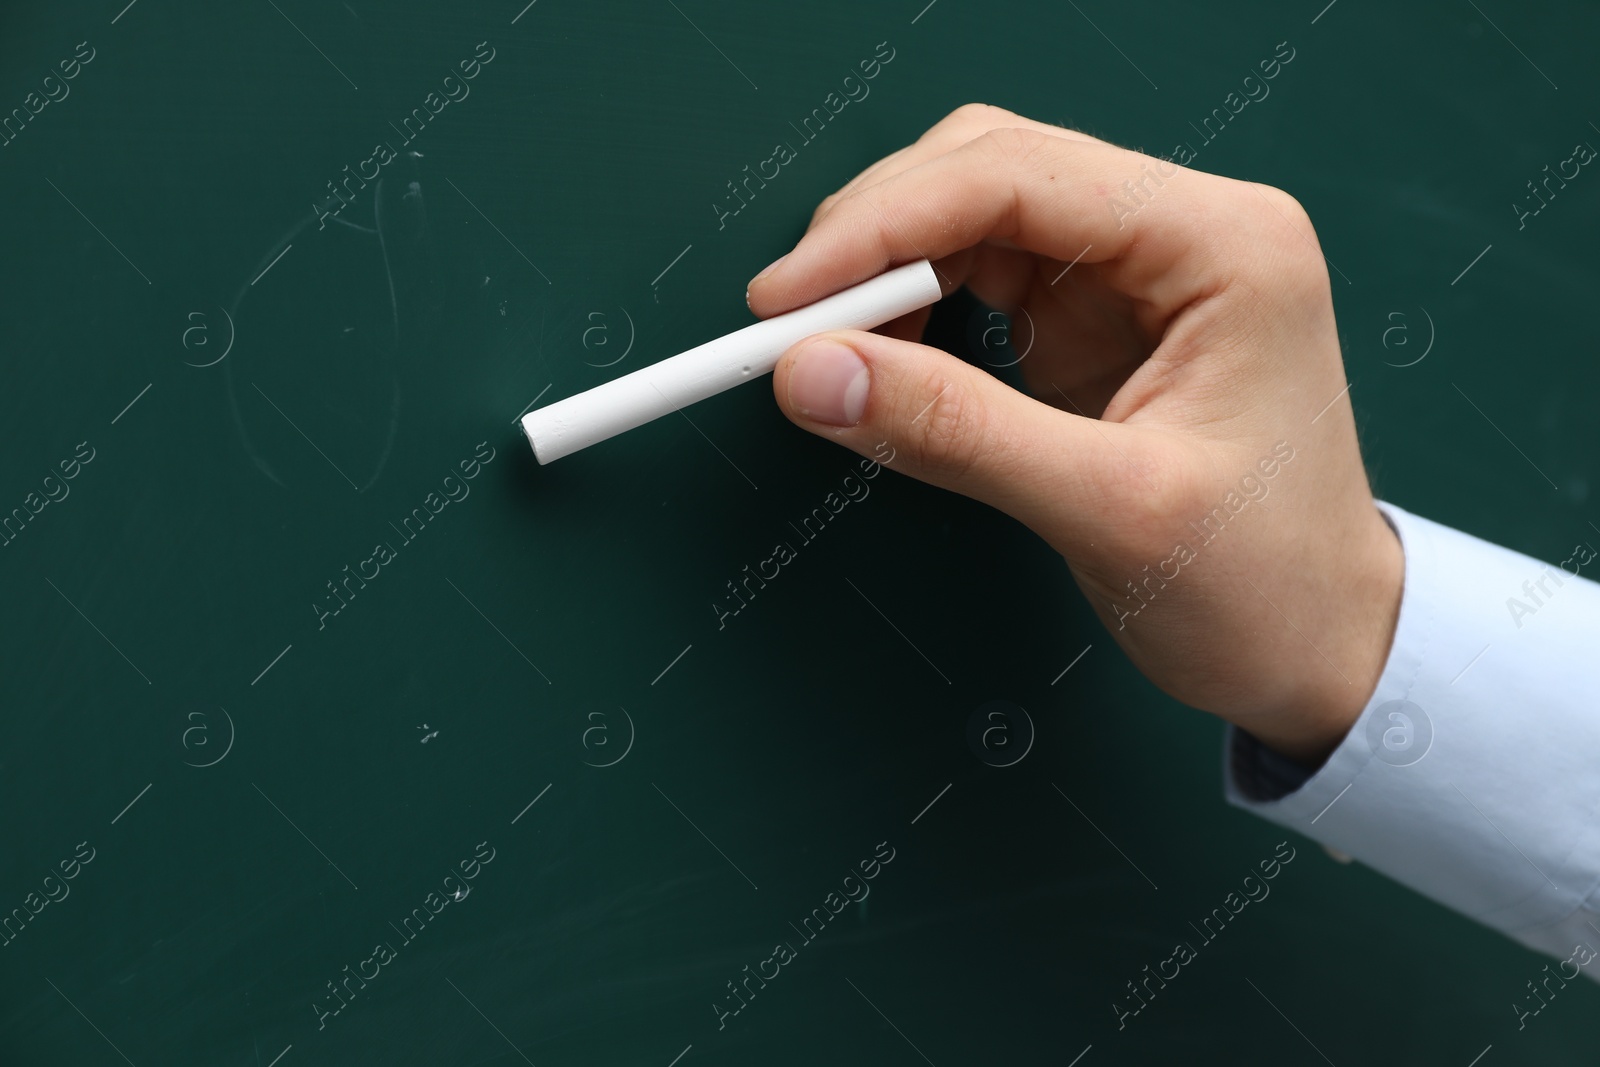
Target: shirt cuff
1470 774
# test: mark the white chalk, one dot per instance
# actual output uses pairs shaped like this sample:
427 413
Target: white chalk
565 426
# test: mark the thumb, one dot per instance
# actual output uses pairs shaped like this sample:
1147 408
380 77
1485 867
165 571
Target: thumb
955 426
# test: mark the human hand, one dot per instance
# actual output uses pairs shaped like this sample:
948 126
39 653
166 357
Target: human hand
1187 445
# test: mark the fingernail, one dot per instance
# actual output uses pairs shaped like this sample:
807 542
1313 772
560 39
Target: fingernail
828 383
770 267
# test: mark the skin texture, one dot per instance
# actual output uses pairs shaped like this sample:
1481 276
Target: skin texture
1194 334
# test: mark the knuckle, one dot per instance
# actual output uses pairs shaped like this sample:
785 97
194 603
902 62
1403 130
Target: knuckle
1011 146
1151 517
823 208
1285 204
841 199
946 433
978 115
1284 230
1150 498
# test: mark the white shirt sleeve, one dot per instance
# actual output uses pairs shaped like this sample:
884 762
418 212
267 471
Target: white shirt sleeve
1473 774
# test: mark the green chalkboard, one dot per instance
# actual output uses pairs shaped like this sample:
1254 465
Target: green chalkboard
338 731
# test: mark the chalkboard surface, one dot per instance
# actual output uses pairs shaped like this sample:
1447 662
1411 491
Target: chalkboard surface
340 732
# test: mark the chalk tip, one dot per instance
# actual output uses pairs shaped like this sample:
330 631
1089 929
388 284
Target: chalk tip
527 432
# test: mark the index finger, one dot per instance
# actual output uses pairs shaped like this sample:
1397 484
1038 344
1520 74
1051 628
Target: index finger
952 131
1152 225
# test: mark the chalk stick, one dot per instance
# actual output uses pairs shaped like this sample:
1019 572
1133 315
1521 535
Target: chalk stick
563 427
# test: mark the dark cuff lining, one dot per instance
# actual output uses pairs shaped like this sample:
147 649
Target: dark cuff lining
1261 774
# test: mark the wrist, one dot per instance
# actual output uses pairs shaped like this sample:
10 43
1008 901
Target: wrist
1363 607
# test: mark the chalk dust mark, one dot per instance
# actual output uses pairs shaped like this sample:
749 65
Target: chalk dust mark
383 246
377 230
352 225
394 349
227 368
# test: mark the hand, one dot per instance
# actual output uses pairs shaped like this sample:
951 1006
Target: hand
1185 443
